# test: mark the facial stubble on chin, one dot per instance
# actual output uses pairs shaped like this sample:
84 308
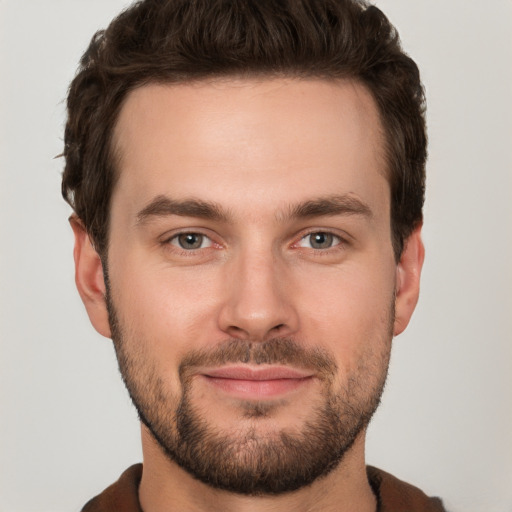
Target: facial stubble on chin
253 462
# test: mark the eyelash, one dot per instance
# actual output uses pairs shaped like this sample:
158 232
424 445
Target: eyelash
339 243
180 251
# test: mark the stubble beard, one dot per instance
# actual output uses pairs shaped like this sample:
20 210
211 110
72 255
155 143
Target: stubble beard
252 462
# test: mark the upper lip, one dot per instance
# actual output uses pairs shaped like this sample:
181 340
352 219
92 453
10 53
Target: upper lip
256 373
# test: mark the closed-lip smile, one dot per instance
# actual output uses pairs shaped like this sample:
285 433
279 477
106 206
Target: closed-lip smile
257 383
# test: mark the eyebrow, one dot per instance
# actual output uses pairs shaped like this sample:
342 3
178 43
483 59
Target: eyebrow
331 205
162 206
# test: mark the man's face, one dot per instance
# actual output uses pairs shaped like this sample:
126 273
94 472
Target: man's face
251 274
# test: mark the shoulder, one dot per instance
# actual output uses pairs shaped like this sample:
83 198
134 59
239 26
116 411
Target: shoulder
394 495
121 496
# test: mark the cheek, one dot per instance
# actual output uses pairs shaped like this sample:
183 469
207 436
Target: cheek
163 315
348 311
170 308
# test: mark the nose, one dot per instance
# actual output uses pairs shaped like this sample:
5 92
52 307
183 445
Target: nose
258 302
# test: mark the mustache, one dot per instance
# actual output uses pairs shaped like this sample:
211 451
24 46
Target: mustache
284 351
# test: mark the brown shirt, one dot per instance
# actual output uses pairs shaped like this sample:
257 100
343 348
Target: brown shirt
392 494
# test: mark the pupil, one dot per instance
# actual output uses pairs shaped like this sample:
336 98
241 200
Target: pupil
190 241
321 240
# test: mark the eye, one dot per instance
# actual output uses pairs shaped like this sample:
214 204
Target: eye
190 241
320 240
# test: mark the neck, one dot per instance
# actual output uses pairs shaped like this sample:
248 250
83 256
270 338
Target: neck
165 486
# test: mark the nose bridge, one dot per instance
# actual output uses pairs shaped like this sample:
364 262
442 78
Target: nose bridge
258 303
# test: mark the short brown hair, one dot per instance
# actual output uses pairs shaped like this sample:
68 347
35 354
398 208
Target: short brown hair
175 41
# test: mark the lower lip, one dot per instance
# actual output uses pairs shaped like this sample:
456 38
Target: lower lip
257 389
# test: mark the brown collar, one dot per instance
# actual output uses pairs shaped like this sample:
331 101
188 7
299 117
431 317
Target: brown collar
392 494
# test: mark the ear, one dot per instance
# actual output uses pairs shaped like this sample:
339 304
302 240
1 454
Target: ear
89 278
408 274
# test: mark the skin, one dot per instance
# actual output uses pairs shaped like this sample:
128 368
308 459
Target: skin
257 149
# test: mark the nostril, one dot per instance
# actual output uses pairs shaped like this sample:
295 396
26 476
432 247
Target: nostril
234 328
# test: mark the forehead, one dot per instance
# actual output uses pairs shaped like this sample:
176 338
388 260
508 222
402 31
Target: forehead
276 141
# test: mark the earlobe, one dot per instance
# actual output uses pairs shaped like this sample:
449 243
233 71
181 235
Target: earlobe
408 280
89 278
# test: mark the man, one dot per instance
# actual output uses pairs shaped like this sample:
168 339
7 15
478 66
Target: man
248 179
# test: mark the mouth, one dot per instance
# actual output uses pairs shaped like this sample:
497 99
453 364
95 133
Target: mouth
249 383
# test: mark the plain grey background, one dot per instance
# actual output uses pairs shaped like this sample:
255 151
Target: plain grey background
67 428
